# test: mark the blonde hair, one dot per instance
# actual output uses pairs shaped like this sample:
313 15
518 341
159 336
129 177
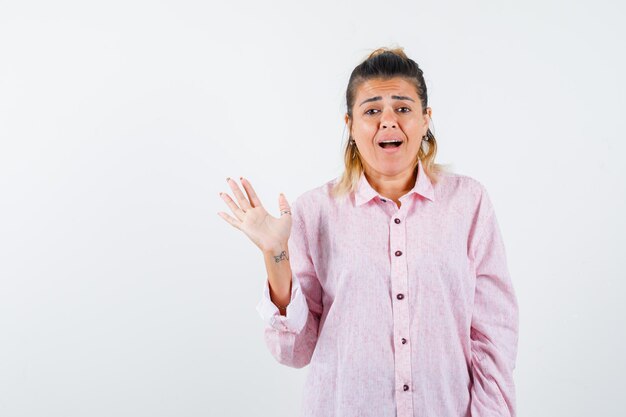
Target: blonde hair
386 63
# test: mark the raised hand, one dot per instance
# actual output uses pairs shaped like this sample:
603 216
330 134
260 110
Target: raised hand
267 232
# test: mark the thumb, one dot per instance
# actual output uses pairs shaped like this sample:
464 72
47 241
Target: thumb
283 204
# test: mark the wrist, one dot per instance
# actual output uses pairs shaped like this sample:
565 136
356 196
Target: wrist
276 250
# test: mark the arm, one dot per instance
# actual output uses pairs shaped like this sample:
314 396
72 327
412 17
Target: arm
495 321
291 338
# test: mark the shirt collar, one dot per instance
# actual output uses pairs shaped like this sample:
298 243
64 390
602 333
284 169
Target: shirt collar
423 187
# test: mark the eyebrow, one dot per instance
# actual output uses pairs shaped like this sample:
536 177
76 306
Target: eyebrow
380 98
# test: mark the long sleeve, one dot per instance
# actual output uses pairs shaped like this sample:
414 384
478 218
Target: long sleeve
291 339
495 321
297 309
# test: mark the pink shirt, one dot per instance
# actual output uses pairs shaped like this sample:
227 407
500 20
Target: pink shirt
400 312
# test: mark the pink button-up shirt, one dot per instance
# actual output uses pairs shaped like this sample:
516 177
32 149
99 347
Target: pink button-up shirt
400 312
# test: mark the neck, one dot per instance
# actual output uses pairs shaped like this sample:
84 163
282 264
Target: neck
394 186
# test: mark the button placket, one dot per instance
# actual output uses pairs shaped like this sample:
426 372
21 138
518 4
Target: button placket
401 315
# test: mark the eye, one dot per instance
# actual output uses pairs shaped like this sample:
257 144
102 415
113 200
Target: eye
401 110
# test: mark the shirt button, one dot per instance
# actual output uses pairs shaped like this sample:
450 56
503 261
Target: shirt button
403 341
405 387
397 221
398 253
400 296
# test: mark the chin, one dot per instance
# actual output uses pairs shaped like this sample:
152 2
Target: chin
391 170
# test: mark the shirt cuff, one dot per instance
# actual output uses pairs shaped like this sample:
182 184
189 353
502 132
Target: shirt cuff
297 309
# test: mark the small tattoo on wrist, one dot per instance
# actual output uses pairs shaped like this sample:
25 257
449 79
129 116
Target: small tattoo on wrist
283 255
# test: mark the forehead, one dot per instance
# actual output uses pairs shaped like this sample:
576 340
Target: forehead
382 87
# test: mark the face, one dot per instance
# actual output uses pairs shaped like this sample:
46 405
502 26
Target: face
387 110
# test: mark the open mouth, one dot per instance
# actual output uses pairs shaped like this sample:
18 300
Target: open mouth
390 144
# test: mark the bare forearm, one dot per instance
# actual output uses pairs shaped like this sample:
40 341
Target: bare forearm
279 276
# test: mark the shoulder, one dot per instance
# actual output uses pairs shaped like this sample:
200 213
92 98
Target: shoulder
318 195
312 203
461 189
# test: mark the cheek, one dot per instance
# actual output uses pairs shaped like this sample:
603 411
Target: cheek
412 126
416 144
364 133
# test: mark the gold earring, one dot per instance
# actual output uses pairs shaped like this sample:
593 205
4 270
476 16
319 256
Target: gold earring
352 145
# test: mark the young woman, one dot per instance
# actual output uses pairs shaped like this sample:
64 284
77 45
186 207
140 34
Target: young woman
391 281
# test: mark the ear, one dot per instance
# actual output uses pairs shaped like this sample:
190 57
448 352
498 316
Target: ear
427 119
428 116
348 122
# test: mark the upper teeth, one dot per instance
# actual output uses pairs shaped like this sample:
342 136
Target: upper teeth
390 141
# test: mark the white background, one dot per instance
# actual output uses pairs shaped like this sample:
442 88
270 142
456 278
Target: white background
123 293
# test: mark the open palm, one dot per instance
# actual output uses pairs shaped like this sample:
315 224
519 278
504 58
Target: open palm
266 231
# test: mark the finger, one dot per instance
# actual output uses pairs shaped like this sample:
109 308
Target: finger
233 207
243 202
234 222
283 204
251 193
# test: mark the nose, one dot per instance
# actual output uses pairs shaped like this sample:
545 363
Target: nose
388 119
